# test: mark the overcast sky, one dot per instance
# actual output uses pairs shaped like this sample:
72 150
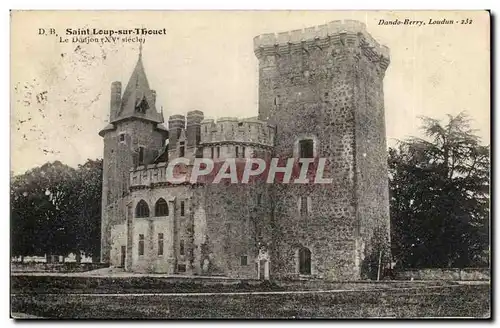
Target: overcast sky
60 91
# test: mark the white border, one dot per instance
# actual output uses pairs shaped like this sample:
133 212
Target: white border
187 4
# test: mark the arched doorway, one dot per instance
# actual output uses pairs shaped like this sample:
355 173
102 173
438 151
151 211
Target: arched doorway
304 260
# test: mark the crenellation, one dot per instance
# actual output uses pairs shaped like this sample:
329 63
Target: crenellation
331 30
232 129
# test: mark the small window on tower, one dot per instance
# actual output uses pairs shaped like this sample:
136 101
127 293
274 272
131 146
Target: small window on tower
122 137
244 260
212 152
181 268
218 152
182 208
237 152
141 245
181 247
243 152
181 149
160 244
304 205
141 155
306 148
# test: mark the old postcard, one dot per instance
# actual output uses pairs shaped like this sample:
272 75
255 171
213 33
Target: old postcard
250 164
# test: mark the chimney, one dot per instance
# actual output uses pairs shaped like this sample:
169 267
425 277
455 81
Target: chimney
116 98
193 127
175 124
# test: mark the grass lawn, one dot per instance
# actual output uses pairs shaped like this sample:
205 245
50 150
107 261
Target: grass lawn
382 300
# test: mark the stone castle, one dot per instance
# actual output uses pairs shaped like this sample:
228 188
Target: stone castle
320 95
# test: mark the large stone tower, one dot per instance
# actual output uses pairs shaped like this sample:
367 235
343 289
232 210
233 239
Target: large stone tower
133 137
323 89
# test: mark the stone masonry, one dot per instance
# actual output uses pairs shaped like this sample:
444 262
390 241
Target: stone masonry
322 85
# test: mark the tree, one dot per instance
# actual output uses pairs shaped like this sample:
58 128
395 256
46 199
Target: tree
86 224
55 209
39 209
440 196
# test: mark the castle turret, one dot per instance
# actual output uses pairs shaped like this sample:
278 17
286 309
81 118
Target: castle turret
193 127
176 123
133 137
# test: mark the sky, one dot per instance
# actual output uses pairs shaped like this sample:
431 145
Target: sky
60 92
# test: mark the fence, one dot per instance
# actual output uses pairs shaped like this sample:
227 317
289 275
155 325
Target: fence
444 274
55 267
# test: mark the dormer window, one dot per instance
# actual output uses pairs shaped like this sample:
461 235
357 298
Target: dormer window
182 148
142 106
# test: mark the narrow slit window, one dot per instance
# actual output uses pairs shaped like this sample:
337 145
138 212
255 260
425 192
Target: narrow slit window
181 247
160 244
182 208
304 208
141 155
141 244
244 260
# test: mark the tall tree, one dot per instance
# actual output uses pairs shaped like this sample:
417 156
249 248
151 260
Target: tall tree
86 225
440 196
55 209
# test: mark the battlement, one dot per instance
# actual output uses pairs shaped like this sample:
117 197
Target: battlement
145 175
232 129
320 32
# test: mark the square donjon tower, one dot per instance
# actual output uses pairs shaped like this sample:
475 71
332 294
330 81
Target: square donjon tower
323 89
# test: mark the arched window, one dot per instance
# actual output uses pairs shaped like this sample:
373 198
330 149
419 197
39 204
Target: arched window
304 260
161 207
142 209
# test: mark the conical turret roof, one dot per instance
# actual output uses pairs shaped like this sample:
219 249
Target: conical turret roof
138 100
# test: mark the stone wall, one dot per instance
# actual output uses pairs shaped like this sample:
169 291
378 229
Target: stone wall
175 227
308 88
237 224
372 191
